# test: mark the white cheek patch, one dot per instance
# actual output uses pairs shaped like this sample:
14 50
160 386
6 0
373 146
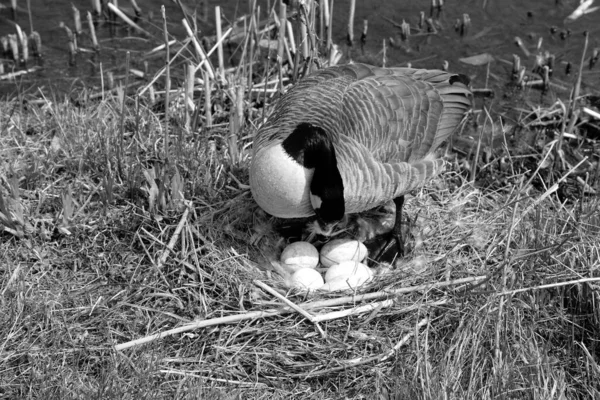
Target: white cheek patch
315 201
279 184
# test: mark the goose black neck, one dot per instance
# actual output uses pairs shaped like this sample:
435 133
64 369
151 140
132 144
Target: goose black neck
312 147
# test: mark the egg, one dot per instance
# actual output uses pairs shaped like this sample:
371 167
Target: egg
300 255
344 282
339 250
348 269
306 279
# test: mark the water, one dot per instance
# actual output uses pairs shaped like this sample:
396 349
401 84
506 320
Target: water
493 30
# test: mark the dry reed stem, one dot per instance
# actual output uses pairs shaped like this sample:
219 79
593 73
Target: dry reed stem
351 23
207 100
167 80
291 304
280 47
175 237
303 23
219 42
547 286
76 19
30 17
199 50
125 18
550 190
353 311
92 31
216 47
189 94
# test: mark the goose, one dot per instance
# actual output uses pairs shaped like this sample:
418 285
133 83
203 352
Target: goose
350 138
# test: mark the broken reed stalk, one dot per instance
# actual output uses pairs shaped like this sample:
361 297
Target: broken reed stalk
321 22
312 32
37 44
30 18
25 48
220 42
175 237
303 33
363 36
351 23
93 32
13 8
189 94
167 80
137 10
384 55
280 45
388 294
97 7
207 100
329 30
127 20
290 44
205 61
76 19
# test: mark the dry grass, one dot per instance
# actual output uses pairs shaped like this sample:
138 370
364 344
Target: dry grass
85 268
108 235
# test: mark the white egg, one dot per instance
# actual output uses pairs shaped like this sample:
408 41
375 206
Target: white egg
306 279
300 255
339 250
347 269
349 282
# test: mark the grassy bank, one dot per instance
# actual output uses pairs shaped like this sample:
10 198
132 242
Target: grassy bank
93 256
134 262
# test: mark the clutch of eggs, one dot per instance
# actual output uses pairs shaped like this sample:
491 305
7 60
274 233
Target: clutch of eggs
342 257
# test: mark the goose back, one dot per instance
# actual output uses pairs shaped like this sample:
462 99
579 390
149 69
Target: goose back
384 123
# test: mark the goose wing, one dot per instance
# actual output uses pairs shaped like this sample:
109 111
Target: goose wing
391 122
402 114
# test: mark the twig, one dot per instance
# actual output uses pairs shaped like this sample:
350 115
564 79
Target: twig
391 293
547 286
175 236
402 342
353 311
208 378
304 313
202 324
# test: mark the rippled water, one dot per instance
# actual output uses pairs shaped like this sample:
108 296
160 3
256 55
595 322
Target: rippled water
495 24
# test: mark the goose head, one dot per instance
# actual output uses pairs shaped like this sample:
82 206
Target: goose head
299 176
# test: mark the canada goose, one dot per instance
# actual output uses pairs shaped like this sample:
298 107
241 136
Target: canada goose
350 138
